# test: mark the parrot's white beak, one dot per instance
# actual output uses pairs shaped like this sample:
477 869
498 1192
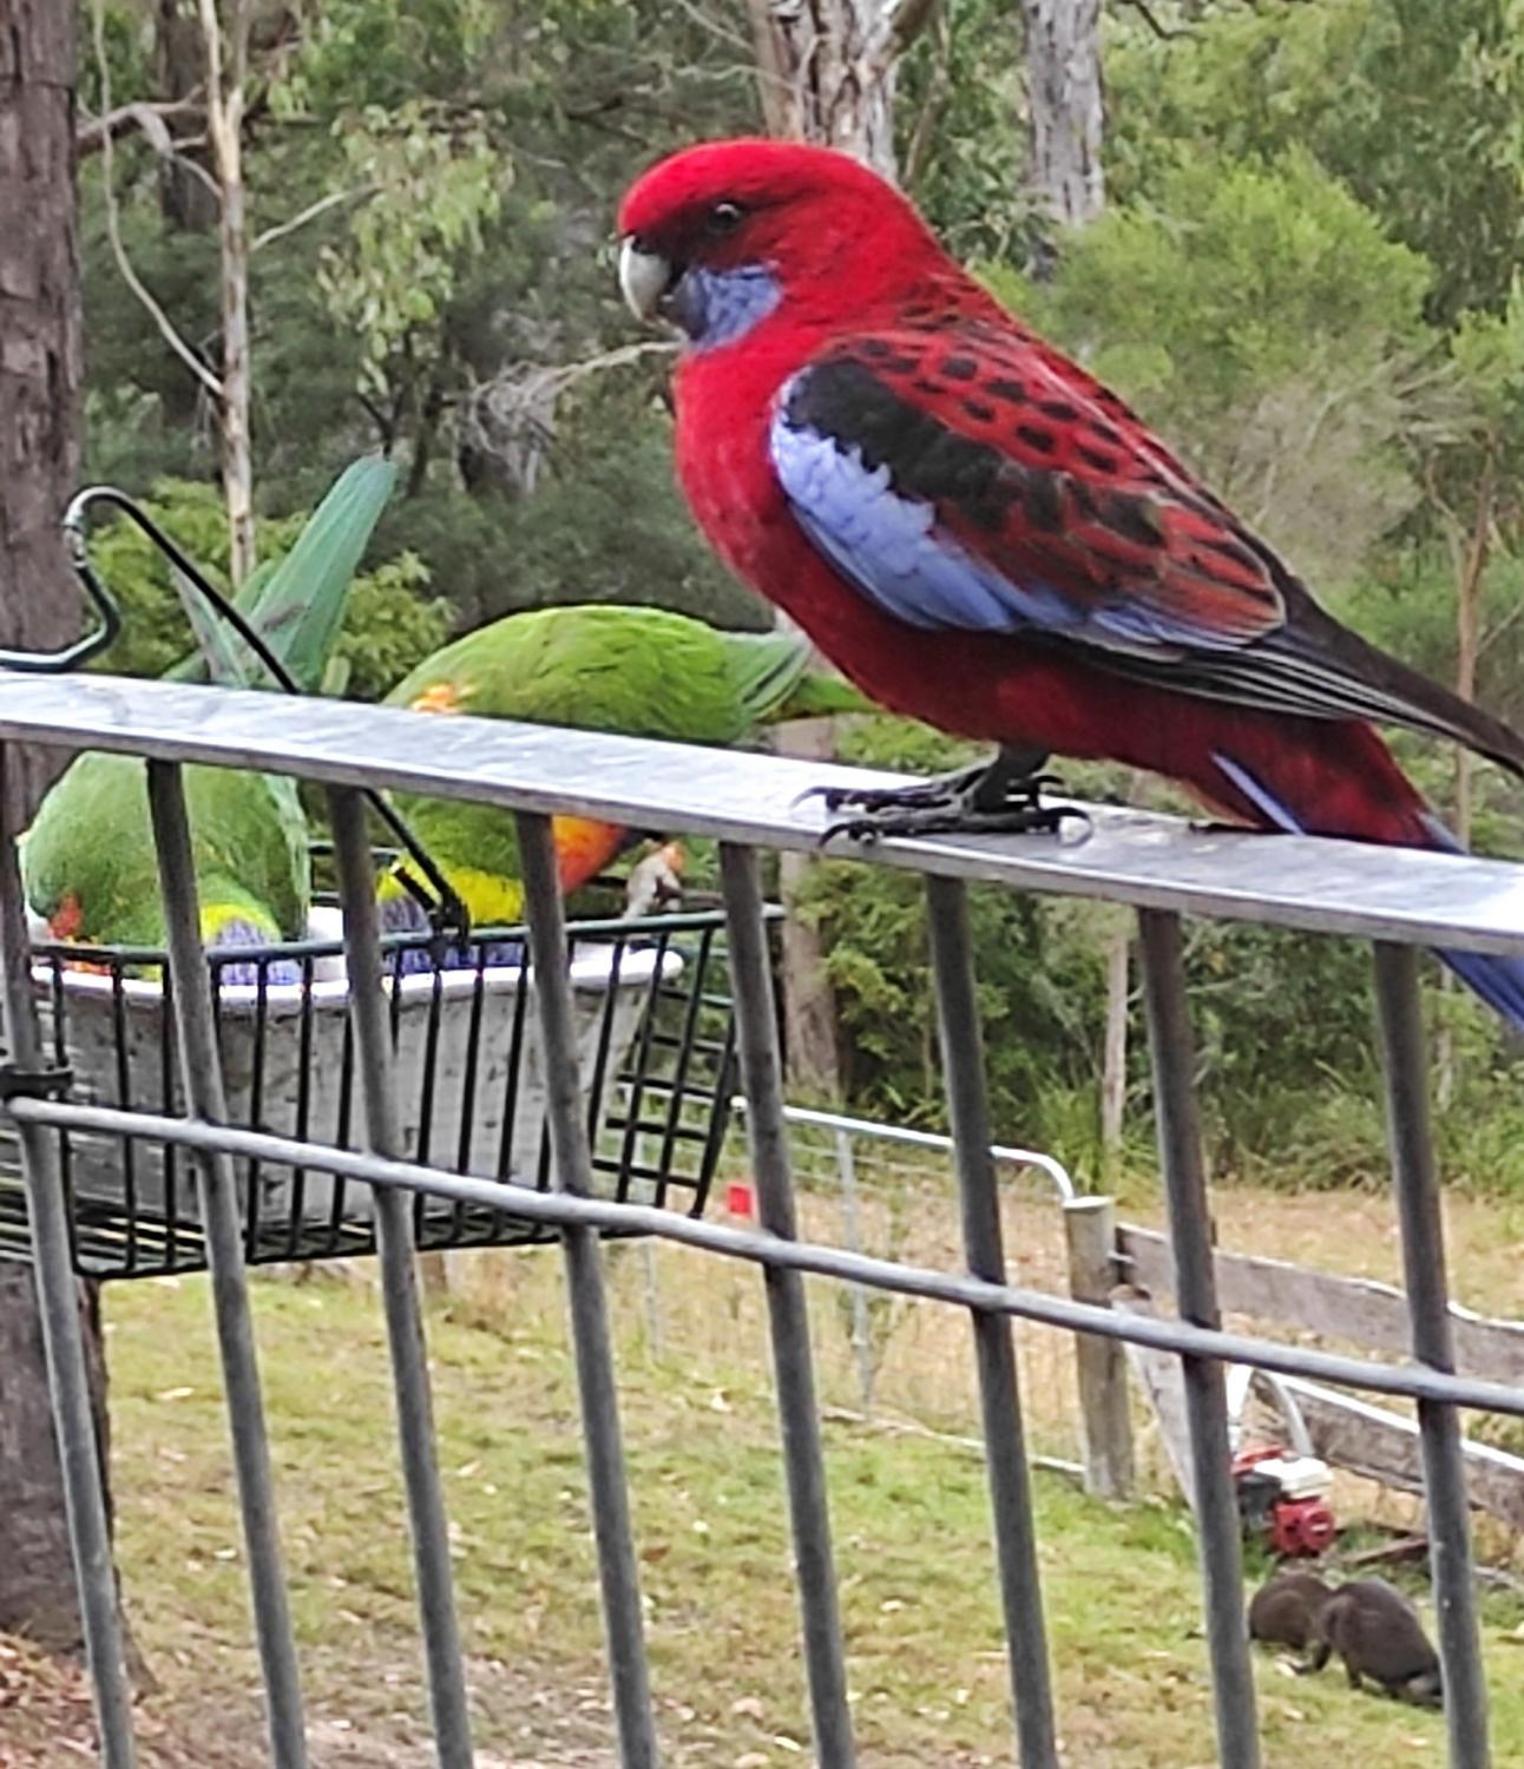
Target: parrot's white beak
644 277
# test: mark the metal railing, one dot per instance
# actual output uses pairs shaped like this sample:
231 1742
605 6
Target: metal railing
748 802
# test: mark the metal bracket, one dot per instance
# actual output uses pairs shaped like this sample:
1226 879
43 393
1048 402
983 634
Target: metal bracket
19 1083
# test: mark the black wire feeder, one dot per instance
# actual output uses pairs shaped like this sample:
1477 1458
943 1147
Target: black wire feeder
657 1060
656 1054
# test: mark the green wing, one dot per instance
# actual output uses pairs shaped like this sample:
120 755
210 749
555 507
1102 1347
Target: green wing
88 859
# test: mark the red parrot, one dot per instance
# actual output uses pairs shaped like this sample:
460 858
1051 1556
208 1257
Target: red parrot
982 536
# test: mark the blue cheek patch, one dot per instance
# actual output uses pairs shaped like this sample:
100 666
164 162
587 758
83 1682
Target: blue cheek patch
716 307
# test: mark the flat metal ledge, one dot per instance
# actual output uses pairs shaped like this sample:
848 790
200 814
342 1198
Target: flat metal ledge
1151 862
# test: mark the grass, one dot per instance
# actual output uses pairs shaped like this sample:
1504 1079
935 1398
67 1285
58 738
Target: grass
910 1515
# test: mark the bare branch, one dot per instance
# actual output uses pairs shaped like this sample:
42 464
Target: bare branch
512 418
560 377
114 221
321 207
707 22
148 119
1160 30
197 171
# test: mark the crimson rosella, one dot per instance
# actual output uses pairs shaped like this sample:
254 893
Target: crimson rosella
981 535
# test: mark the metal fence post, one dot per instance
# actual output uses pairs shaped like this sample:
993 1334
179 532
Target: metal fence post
63 1344
851 1222
1005 1452
399 1288
217 1190
1416 1182
592 1341
788 1317
1090 1226
1172 1053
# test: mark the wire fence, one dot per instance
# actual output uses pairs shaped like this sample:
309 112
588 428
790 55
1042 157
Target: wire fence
747 804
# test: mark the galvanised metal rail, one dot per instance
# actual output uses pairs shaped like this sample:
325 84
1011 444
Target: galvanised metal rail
1165 869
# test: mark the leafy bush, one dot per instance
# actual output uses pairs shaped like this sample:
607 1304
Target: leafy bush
1260 318
390 623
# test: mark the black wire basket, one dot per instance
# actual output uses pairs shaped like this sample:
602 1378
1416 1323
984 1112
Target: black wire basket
656 1046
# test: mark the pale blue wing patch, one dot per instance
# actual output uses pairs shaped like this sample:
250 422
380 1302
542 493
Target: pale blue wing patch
890 547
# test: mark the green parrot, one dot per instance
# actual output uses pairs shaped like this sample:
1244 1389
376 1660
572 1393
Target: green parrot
640 672
88 860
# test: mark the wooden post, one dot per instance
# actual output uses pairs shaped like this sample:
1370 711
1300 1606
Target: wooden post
1106 1422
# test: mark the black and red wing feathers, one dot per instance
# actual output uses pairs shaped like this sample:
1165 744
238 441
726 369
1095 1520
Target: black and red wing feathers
1042 476
964 474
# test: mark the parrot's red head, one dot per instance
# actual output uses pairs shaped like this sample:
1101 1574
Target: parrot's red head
716 237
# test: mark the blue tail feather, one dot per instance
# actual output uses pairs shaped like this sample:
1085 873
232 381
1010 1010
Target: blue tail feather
1499 981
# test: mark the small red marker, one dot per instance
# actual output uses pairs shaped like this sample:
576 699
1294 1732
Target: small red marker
738 1199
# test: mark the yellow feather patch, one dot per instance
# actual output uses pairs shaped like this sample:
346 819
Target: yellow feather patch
443 697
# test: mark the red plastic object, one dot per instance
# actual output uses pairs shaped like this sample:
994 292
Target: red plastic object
738 1199
1301 1527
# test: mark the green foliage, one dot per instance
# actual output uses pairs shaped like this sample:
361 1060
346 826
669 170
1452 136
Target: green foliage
1259 317
426 196
389 625
1415 107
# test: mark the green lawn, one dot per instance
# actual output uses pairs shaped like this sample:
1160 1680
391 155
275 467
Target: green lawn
926 1664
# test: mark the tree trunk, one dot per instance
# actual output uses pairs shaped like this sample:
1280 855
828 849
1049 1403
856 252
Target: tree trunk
39 470
1065 108
1114 1049
39 333
37 1595
1468 629
826 70
226 73
185 202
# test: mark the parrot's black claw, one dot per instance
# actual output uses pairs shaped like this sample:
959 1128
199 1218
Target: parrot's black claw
1003 797
1033 819
937 793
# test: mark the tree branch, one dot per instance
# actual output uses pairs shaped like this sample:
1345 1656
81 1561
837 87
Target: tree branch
148 119
937 88
310 213
114 221
1162 31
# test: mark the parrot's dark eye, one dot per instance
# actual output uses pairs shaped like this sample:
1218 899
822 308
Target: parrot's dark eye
723 218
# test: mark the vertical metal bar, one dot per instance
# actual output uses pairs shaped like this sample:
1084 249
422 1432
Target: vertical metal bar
399 1285
205 1098
1423 1257
63 1343
596 1384
788 1318
1005 1453
1172 1051
851 1223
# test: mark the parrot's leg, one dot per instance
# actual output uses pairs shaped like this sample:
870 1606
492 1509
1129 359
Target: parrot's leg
1003 796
